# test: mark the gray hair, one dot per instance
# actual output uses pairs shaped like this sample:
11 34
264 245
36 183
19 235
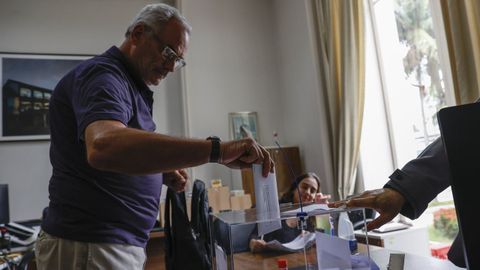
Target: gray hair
155 16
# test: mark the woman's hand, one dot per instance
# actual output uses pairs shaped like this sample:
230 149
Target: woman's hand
322 198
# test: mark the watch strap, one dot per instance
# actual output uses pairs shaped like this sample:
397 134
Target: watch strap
215 152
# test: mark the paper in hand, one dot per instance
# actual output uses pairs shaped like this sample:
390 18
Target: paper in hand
266 197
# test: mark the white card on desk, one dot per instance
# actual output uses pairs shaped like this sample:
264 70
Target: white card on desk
266 197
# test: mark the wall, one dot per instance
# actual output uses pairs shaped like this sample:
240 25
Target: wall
66 27
232 66
302 103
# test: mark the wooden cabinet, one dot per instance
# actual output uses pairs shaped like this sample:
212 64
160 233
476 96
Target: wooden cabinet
282 169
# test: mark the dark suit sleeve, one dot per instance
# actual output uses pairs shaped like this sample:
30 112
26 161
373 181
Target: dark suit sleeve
421 179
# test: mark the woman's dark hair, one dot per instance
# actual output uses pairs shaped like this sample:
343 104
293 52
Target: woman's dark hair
287 197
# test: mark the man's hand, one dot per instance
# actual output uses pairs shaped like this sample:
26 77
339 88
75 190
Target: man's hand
176 180
242 153
387 202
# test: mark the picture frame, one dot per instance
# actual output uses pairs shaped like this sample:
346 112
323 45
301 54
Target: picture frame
27 84
243 124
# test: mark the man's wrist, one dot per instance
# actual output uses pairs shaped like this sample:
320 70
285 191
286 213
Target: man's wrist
215 150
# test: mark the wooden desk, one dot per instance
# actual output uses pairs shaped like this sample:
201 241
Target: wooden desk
156 251
268 260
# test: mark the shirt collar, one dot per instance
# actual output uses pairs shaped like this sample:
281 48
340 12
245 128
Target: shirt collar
115 52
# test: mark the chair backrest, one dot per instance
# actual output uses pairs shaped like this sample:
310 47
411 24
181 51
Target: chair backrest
460 131
4 207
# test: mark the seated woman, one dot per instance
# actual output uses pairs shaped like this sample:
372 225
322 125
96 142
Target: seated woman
309 187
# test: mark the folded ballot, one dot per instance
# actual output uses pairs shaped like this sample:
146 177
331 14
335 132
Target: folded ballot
303 241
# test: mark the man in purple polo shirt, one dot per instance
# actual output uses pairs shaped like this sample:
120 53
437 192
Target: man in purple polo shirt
108 164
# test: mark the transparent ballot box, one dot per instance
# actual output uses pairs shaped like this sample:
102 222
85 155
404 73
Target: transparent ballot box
322 239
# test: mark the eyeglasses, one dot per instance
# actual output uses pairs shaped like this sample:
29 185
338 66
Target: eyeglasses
170 56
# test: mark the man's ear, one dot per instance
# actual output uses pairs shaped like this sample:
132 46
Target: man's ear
138 32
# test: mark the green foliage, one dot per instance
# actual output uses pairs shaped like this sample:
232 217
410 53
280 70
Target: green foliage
447 227
437 203
415 27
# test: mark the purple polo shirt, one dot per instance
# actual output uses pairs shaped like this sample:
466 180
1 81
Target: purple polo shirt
86 204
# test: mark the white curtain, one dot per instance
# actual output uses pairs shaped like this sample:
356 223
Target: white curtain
462 30
339 37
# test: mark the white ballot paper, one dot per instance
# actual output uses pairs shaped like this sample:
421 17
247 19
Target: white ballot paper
220 258
332 252
266 197
304 240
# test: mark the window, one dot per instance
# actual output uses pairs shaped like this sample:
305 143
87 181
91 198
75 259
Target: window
406 85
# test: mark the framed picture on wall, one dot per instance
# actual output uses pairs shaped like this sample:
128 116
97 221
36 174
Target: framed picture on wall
243 124
27 84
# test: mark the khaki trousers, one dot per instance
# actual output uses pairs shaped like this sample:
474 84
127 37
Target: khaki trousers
53 253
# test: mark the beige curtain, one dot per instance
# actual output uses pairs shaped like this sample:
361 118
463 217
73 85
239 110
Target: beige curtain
338 27
462 29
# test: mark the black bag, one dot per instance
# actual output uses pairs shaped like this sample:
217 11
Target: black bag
187 244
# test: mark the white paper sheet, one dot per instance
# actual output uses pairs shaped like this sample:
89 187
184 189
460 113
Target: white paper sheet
316 208
266 197
302 241
332 252
220 258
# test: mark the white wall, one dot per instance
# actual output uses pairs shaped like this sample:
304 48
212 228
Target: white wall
231 66
302 103
65 27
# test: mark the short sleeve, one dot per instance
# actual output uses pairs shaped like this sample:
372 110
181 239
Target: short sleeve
105 96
